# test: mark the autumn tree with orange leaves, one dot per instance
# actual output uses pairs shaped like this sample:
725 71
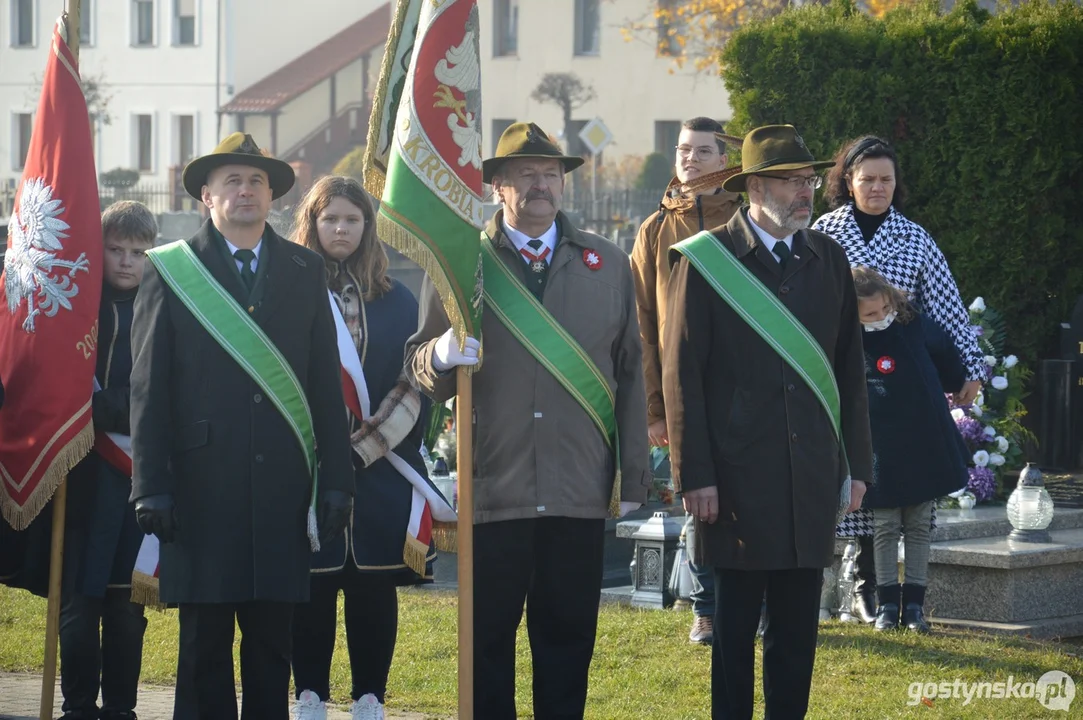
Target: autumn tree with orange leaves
693 31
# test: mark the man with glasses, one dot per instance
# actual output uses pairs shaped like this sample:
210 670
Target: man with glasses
693 202
764 381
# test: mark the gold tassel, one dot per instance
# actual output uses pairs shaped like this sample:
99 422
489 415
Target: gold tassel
614 497
19 518
446 537
414 554
375 175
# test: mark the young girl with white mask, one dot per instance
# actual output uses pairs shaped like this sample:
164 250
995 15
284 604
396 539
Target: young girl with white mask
918 454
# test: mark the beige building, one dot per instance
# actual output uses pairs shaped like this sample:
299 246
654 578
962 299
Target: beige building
641 97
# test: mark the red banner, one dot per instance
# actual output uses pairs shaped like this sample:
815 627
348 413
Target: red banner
52 286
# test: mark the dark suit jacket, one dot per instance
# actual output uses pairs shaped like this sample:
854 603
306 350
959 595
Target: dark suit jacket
203 431
741 419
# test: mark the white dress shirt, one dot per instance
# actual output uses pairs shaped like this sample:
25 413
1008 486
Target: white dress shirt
520 240
769 240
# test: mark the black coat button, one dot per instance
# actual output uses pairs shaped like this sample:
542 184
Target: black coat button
791 387
785 289
259 458
793 438
257 398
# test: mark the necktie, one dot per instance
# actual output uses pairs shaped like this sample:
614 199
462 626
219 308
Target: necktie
248 275
783 253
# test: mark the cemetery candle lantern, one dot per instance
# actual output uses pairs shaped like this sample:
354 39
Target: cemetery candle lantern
1030 509
655 550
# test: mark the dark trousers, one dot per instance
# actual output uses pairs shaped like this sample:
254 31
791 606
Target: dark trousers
110 660
205 686
789 641
555 566
372 621
865 566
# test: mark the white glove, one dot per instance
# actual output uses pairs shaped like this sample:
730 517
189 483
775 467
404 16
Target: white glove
627 507
447 355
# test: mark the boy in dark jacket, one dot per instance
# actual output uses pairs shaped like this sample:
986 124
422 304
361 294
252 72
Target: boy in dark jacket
102 537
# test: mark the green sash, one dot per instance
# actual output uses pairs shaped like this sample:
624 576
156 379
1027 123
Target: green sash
244 340
550 344
773 322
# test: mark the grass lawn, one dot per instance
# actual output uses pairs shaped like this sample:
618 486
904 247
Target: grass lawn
644 666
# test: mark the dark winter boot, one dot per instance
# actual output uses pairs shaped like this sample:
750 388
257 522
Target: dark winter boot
913 616
863 605
887 615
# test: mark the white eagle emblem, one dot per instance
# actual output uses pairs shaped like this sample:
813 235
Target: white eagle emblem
460 69
31 263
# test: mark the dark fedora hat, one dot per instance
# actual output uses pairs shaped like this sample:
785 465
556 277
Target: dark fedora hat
772 147
526 140
237 149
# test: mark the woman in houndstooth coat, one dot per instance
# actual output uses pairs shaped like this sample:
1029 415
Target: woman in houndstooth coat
865 193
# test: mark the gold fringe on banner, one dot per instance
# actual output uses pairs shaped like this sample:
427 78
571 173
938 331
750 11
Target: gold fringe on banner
145 591
374 173
19 517
415 554
398 237
446 536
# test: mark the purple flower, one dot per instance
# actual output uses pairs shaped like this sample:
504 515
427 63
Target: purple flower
982 483
979 330
973 432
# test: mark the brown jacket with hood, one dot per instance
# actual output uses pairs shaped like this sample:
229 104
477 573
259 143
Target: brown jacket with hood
678 217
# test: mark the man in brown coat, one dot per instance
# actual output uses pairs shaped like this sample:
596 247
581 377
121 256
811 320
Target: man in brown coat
544 473
693 202
754 452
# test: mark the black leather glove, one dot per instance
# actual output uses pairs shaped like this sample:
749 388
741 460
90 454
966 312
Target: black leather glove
332 513
156 516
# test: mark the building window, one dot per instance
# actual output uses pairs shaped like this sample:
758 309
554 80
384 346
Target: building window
184 22
506 28
86 23
668 46
22 23
144 143
588 24
186 139
142 22
499 126
666 135
23 126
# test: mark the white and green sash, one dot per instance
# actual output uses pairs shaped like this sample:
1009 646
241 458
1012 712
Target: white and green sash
244 340
773 322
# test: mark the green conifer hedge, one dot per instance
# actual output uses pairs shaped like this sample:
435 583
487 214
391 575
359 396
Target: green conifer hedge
986 111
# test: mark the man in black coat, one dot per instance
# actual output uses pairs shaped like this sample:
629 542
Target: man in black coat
753 451
219 476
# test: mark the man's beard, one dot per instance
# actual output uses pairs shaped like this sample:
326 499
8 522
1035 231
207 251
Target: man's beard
784 216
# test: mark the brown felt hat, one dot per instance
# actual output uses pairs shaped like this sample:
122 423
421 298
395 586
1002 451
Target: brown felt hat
772 147
237 149
526 140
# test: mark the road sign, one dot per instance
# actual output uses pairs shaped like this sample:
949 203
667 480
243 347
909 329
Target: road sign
595 136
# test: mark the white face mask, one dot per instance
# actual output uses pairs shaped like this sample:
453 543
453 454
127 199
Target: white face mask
880 324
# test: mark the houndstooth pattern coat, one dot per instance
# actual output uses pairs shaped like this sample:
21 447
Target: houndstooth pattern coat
908 257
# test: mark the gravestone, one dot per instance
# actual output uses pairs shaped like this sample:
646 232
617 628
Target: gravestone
1060 382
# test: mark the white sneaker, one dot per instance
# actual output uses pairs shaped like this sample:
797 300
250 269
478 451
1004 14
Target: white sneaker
309 707
367 708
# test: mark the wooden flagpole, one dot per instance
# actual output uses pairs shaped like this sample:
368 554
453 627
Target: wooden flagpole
60 497
464 447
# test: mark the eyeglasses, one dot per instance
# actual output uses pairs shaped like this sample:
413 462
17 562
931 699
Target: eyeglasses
702 152
796 182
